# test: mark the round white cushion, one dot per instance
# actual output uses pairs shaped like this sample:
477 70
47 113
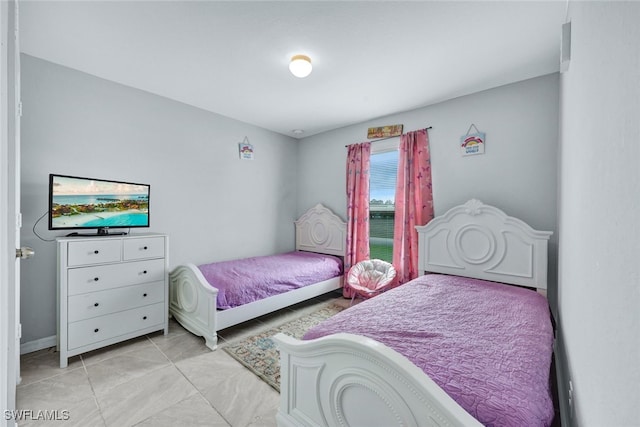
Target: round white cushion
371 274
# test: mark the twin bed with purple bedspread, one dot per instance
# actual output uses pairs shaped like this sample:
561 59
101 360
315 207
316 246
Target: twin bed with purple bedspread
247 280
487 345
207 298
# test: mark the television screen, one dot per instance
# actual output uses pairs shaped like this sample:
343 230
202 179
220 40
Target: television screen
81 203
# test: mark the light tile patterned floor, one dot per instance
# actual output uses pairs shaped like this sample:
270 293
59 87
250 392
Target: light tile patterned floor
156 380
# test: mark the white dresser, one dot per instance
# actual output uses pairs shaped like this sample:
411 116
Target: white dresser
110 289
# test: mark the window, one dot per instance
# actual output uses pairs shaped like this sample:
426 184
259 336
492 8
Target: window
382 189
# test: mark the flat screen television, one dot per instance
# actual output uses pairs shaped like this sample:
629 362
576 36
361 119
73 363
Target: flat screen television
77 203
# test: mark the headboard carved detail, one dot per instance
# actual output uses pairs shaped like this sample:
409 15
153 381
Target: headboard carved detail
481 241
320 230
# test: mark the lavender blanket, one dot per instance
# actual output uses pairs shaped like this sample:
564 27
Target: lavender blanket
488 345
250 279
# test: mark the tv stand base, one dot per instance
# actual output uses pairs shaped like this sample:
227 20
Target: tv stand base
100 232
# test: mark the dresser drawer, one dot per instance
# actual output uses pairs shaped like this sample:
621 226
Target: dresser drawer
102 328
93 252
86 306
145 247
102 277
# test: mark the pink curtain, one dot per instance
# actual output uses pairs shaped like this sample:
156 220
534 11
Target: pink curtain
413 204
358 160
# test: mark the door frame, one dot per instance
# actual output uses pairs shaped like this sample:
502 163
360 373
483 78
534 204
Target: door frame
9 216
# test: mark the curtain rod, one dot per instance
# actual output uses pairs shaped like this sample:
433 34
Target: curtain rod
388 137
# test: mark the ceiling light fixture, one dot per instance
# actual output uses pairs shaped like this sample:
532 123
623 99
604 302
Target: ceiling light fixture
300 65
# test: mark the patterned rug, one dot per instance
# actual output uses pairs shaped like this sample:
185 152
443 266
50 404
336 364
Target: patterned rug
259 353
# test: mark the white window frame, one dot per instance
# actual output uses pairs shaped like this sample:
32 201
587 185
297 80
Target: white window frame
380 147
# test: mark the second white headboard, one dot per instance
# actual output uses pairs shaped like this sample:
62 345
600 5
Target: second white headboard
481 241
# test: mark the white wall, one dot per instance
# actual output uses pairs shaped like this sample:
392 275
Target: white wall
599 275
517 173
213 205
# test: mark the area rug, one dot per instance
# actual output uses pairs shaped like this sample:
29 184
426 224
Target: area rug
259 353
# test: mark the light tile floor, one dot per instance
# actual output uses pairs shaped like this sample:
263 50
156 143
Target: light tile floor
156 380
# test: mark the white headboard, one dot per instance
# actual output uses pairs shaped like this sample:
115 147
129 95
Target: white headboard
320 230
480 241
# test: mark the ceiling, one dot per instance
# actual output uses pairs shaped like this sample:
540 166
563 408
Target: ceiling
370 58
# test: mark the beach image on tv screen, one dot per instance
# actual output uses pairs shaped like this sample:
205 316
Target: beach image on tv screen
86 203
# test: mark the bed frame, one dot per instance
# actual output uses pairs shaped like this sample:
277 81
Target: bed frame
192 300
351 380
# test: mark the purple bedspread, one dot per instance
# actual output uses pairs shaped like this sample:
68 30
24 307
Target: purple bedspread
250 279
489 346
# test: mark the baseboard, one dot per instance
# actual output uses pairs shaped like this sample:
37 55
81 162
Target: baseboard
42 343
563 380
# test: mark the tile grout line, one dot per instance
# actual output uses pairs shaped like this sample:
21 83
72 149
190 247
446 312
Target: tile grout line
95 397
189 381
131 379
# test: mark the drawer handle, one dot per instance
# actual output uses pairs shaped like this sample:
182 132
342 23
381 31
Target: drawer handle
144 272
96 252
96 304
144 295
96 330
144 318
145 248
95 279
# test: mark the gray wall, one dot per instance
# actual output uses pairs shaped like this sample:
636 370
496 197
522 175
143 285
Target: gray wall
213 205
217 207
517 173
599 278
